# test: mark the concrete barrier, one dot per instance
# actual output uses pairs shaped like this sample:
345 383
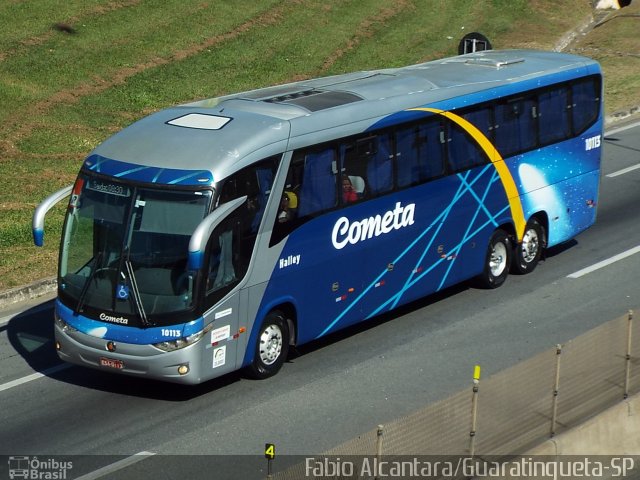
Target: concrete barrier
615 431
27 292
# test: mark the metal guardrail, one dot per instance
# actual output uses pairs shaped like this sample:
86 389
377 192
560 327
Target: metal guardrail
514 410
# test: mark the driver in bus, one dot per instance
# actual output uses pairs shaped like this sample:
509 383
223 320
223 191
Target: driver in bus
288 205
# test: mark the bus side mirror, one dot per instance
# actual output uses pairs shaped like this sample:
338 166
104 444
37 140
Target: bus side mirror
200 236
41 211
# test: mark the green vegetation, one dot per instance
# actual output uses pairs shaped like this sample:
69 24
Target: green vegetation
74 73
615 43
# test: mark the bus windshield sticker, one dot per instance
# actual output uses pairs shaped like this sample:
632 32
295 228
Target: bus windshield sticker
223 313
219 356
220 334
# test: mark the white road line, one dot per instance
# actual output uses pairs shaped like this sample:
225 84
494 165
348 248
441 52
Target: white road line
613 132
622 129
604 263
623 171
33 376
119 465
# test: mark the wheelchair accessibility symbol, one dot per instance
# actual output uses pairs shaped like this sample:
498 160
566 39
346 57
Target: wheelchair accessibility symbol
122 292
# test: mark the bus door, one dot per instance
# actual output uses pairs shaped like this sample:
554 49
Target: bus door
222 248
215 255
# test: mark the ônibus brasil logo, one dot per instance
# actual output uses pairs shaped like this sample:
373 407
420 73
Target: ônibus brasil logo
345 231
33 468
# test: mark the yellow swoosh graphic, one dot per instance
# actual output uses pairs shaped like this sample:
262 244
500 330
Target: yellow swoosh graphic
517 212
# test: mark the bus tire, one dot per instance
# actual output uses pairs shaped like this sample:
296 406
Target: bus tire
529 251
497 261
272 346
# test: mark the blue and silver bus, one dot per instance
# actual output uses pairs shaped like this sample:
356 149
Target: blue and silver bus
214 235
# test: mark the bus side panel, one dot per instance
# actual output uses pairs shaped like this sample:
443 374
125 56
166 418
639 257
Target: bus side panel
460 213
322 280
562 180
570 206
436 236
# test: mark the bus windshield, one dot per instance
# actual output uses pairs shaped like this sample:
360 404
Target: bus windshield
124 249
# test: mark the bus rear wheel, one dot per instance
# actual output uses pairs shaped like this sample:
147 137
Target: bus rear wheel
272 346
529 251
497 260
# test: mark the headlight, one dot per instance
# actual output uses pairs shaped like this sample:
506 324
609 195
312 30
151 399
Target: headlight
171 345
64 326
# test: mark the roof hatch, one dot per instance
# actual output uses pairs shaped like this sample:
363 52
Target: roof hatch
314 100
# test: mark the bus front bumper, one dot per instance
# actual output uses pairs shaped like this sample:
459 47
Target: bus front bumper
147 361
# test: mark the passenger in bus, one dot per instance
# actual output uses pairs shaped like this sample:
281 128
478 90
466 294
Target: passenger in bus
349 194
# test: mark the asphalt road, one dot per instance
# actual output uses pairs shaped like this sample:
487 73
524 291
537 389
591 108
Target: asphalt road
332 390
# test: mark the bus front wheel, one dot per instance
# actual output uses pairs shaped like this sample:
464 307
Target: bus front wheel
272 346
497 260
529 251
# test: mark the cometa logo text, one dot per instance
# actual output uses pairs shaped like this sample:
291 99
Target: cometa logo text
108 318
345 231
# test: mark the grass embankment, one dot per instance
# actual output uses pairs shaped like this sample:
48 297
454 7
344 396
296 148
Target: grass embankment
615 43
64 90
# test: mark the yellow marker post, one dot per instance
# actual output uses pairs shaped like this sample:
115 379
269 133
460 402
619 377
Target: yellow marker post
556 391
269 454
627 370
474 410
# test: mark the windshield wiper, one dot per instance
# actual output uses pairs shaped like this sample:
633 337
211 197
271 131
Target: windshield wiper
136 293
85 288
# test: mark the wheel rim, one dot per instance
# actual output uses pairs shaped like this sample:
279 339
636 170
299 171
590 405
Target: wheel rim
498 260
530 245
270 344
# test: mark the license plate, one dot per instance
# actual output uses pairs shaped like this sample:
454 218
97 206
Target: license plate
111 363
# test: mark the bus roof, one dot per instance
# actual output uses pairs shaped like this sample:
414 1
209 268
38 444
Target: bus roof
225 133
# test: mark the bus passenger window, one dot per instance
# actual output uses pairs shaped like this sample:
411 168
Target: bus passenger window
317 192
515 126
553 115
420 153
482 119
585 104
380 166
309 190
464 151
353 166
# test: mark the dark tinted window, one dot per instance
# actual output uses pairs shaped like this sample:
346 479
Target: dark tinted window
553 115
420 152
231 244
463 151
482 119
585 103
377 162
314 180
515 126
